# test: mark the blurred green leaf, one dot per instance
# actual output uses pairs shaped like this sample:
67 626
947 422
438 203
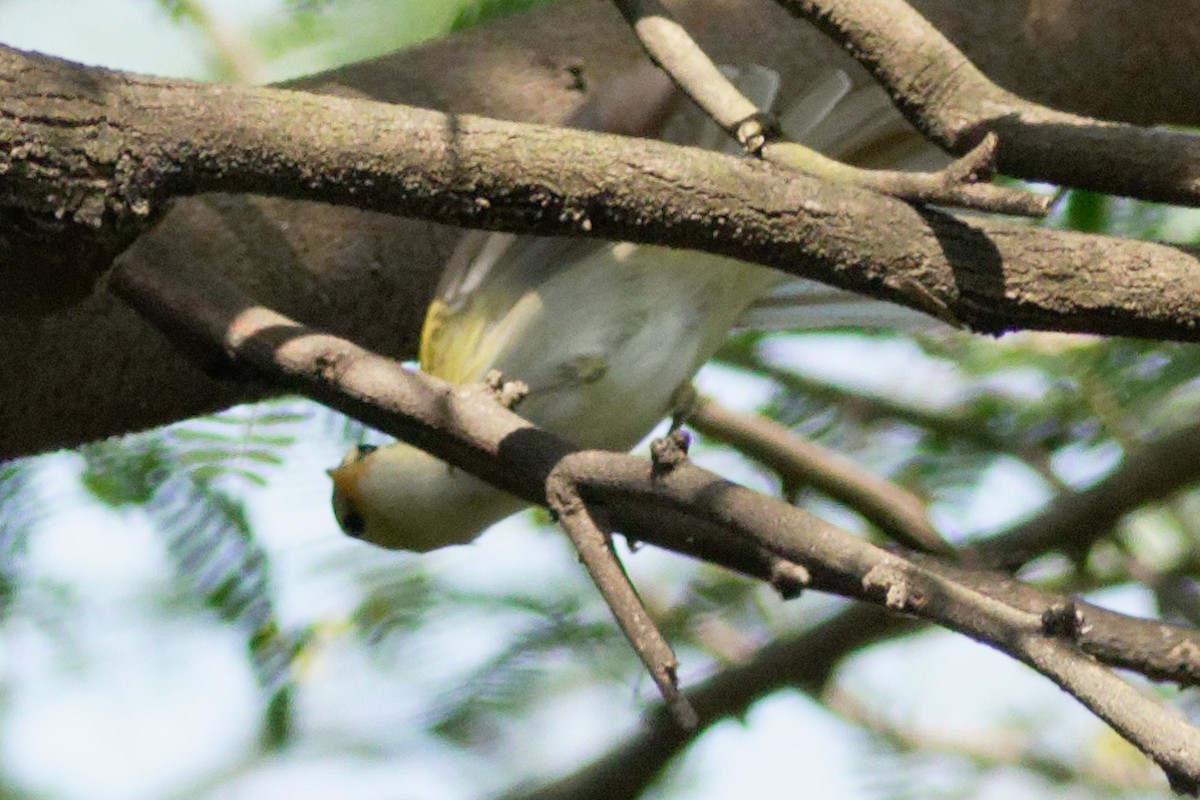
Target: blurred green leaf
475 12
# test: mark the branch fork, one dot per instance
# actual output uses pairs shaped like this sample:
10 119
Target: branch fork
594 546
961 184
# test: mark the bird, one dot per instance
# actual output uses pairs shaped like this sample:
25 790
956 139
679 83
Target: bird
607 335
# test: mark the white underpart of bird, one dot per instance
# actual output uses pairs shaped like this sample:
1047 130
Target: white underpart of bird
604 334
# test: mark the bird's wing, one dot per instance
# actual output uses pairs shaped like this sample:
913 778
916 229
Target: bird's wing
489 294
864 129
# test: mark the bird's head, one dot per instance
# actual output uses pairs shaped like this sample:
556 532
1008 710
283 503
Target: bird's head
402 498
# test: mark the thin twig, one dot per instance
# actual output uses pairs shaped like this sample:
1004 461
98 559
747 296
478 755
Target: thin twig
672 48
962 184
866 407
595 551
1075 520
898 512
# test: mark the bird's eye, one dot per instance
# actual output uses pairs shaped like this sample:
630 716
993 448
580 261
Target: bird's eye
347 516
352 523
364 450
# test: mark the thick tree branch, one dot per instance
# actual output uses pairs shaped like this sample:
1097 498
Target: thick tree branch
466 427
991 276
948 97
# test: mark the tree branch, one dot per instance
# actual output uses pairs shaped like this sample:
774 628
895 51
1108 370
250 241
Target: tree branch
999 749
368 276
806 661
963 184
952 101
809 660
990 275
595 551
1074 521
866 407
798 461
842 563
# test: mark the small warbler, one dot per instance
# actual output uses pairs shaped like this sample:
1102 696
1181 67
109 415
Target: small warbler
604 334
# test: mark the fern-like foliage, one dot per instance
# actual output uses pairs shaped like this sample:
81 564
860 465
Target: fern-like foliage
215 554
513 679
184 478
19 512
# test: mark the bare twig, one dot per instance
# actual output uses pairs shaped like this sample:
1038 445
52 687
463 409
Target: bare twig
897 511
596 553
963 184
1074 521
952 101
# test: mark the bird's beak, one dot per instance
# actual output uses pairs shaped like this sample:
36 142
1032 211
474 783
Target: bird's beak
344 478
